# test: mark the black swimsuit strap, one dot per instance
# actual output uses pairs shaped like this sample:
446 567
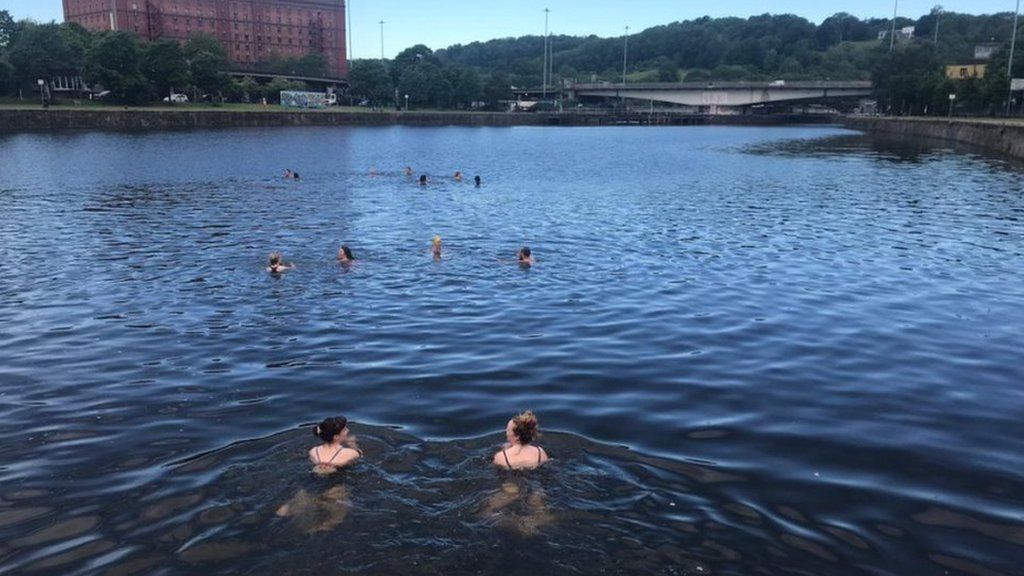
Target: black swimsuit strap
507 462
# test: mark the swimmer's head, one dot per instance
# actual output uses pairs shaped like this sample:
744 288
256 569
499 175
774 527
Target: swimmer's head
330 429
345 254
275 258
523 429
525 253
436 241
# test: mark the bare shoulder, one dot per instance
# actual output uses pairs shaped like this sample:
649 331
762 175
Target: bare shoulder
348 456
313 455
498 460
543 454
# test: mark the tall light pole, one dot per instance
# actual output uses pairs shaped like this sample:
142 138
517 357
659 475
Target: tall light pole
547 13
381 41
625 55
1009 67
892 34
348 30
938 20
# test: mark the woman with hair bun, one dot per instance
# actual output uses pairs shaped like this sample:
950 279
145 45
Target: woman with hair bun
520 453
338 450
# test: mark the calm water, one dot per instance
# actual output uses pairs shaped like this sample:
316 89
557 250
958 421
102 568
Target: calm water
755 351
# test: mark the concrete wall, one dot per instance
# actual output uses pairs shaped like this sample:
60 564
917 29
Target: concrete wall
36 120
993 135
22 120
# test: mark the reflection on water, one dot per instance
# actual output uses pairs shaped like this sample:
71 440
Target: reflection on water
766 351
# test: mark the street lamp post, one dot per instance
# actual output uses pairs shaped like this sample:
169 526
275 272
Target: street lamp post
952 100
547 38
1009 67
406 102
42 93
892 34
625 55
381 41
348 30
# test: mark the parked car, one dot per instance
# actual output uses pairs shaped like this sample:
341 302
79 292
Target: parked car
176 98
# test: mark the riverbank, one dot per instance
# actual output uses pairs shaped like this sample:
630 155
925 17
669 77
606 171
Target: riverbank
999 135
34 119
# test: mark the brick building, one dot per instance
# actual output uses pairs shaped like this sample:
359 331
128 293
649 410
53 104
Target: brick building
250 30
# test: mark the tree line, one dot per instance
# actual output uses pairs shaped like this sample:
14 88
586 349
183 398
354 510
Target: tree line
910 79
132 71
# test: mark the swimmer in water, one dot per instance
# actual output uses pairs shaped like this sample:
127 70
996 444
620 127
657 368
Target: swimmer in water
408 171
520 452
436 247
345 255
423 179
525 256
458 176
338 450
276 264
476 179
288 174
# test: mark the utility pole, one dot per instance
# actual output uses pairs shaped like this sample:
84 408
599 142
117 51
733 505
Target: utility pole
381 41
892 34
1009 67
547 13
625 55
938 20
348 30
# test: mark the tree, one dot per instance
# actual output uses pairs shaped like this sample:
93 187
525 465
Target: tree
114 63
370 81
668 71
6 75
44 51
245 90
7 28
207 61
164 66
910 80
497 88
467 87
418 54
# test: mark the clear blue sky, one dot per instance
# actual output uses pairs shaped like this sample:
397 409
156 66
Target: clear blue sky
440 23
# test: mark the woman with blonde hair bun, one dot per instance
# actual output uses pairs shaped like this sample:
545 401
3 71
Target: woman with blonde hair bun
520 452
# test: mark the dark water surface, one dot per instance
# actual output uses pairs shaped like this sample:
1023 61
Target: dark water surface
755 351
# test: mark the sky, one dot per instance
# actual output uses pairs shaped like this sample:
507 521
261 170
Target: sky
441 23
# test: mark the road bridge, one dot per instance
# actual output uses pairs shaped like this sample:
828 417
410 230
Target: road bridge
715 95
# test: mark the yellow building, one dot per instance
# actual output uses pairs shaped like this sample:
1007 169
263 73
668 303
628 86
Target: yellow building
965 71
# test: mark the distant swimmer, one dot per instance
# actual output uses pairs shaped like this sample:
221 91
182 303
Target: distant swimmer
520 452
276 264
339 449
525 256
345 255
291 175
458 176
423 179
373 172
436 249
408 171
477 180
